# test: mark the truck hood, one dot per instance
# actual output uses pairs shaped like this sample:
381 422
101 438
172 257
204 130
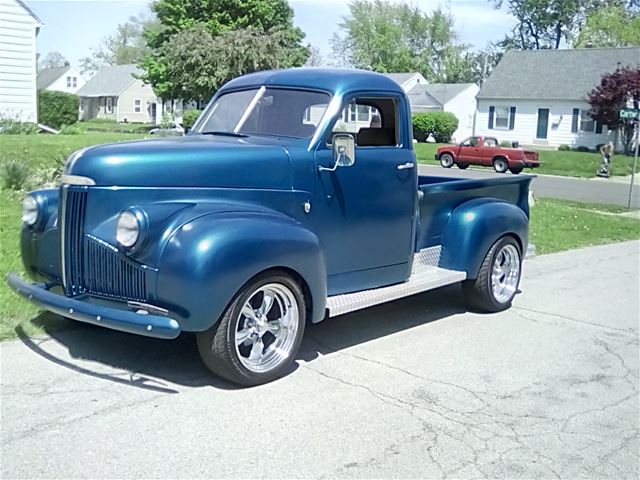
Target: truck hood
191 161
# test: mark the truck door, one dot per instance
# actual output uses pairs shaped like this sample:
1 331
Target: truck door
365 212
471 150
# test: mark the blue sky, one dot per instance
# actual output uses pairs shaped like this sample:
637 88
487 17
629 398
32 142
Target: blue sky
72 27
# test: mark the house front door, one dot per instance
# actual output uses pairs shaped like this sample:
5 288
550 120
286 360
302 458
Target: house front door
153 113
543 123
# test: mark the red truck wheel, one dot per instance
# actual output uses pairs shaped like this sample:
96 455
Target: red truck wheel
500 164
446 160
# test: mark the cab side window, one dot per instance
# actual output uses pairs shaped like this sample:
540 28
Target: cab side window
372 121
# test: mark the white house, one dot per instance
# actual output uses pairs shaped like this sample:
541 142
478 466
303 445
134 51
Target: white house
539 97
19 27
457 98
115 93
64 79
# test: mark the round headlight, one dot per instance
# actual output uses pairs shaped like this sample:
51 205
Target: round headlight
128 229
30 212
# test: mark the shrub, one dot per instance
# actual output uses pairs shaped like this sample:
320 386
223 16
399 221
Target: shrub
13 174
441 124
70 130
582 148
12 126
47 177
564 148
189 117
505 143
56 109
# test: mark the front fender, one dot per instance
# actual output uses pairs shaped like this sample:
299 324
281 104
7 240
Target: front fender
474 227
207 260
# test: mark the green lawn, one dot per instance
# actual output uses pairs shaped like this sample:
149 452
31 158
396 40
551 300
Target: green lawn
103 125
552 162
43 150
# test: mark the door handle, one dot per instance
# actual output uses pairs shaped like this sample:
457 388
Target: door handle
405 166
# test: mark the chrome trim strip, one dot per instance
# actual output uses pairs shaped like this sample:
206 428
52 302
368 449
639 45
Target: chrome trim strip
148 307
77 180
61 228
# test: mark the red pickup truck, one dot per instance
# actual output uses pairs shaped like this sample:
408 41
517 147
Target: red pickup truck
487 151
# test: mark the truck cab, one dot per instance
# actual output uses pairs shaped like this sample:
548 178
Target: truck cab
295 197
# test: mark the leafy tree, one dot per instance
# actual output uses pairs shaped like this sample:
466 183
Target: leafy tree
547 23
483 62
263 30
315 57
199 63
608 98
53 60
397 37
126 45
612 26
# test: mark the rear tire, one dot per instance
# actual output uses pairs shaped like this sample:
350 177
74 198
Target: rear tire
500 165
498 279
516 170
446 160
259 334
463 166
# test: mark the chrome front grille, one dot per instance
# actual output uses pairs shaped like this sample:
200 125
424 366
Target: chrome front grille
112 275
74 203
90 265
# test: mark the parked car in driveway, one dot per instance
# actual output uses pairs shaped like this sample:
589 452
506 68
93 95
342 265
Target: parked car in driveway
486 151
266 215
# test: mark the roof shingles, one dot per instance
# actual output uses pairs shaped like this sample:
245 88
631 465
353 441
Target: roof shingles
109 81
554 74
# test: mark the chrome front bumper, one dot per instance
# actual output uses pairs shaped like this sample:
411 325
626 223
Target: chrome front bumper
146 324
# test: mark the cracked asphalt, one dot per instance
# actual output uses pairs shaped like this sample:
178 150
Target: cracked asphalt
415 388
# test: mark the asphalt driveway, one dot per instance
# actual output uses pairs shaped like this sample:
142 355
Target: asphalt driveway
416 388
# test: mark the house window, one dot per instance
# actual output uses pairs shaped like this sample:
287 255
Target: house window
137 105
68 82
502 117
587 124
109 105
363 113
81 104
74 81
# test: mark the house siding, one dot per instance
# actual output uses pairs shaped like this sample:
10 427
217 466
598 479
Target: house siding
18 93
60 85
559 131
137 90
463 106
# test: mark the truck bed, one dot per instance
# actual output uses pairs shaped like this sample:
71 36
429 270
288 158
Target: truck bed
441 195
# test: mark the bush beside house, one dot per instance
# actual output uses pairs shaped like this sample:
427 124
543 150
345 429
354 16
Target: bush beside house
56 109
440 124
189 117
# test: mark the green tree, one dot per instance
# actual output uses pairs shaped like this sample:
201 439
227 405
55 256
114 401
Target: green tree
549 23
612 26
263 30
398 37
198 62
126 45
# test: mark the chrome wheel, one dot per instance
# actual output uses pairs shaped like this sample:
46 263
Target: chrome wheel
267 328
500 165
446 160
505 273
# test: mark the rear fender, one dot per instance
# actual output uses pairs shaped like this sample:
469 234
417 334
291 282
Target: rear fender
474 227
208 260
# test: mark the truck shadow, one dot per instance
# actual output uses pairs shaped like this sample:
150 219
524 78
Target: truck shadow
170 366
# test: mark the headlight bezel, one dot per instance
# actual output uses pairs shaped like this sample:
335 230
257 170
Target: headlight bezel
134 217
37 211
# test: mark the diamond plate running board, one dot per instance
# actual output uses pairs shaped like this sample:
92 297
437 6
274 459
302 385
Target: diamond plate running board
424 276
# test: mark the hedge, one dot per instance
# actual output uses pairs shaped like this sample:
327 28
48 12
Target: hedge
56 109
440 124
189 117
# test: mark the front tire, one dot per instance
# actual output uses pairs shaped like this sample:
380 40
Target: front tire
446 160
259 333
498 278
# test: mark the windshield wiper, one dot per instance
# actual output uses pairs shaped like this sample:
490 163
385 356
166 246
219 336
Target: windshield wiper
224 134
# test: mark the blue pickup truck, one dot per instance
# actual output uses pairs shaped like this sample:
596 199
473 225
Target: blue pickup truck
294 198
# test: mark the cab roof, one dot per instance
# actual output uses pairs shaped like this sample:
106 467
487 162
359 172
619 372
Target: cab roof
334 80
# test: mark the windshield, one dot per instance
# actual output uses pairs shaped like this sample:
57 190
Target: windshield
266 111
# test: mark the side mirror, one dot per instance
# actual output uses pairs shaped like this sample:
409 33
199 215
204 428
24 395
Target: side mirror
344 152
